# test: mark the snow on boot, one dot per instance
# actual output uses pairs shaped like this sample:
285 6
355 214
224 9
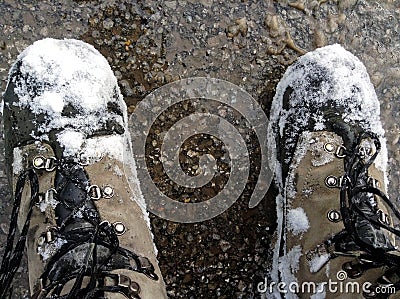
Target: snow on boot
78 205
335 235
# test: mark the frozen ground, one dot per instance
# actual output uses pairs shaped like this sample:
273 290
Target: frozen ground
249 43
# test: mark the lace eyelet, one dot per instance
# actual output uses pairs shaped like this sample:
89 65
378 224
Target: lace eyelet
119 228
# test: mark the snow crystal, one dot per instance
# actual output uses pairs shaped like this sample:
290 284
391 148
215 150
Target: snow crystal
319 123
297 221
47 250
50 202
307 192
78 214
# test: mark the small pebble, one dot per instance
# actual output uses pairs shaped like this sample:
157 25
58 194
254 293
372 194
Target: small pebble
108 24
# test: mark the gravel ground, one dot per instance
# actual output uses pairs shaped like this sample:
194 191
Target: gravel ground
248 43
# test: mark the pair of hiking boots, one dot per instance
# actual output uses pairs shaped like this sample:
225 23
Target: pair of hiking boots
82 217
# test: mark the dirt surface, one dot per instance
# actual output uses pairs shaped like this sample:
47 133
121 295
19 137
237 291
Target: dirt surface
248 43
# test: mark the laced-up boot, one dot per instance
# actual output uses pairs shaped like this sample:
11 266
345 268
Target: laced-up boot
78 204
335 235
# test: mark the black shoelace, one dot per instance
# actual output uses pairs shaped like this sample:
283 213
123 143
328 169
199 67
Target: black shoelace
95 242
12 258
358 208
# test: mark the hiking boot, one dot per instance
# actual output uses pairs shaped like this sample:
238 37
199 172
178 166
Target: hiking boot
77 201
335 235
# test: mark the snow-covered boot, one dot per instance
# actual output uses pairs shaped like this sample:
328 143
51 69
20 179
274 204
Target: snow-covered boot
335 235
78 205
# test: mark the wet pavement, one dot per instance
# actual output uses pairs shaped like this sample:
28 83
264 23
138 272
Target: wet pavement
248 43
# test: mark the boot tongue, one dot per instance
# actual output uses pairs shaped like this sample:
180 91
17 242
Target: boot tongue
71 183
78 219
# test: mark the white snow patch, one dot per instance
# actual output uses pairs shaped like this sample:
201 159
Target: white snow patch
289 264
78 214
131 174
47 250
55 62
308 191
17 166
321 157
44 204
275 260
301 150
71 84
320 292
319 122
297 221
50 102
328 270
72 142
1 106
110 145
317 262
118 171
